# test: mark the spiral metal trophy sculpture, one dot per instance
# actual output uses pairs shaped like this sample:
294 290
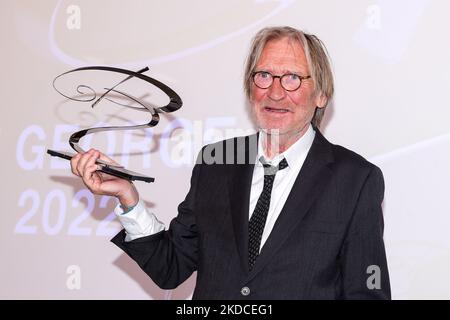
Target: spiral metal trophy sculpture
174 104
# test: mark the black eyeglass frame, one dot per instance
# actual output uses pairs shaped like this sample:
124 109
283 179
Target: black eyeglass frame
254 73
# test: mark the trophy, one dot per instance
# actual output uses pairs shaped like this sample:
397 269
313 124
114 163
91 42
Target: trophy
174 104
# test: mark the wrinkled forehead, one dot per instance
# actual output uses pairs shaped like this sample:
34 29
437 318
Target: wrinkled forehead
283 55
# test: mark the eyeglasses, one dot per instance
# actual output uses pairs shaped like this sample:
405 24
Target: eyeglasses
289 81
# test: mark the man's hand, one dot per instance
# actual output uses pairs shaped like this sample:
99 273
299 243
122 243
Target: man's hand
84 166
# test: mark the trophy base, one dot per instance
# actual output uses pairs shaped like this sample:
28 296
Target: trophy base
116 171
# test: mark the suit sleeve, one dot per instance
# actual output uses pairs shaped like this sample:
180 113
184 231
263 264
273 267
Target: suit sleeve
169 257
363 257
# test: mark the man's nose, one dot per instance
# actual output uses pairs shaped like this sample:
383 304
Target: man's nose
276 91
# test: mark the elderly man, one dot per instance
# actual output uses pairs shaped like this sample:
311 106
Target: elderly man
299 218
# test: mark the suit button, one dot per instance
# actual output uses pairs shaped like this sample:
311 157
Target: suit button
245 291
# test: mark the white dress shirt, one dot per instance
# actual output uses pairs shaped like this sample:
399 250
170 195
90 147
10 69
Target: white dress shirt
284 179
139 222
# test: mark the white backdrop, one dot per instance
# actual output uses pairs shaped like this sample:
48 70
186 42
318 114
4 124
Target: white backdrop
390 60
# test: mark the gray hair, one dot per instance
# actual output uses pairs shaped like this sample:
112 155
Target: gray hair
316 57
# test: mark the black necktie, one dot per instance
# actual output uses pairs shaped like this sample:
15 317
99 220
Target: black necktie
259 216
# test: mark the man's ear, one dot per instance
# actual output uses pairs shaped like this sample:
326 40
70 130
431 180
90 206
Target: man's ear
321 100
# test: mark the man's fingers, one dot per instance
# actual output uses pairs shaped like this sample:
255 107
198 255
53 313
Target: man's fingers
91 160
74 164
83 161
84 165
90 164
91 179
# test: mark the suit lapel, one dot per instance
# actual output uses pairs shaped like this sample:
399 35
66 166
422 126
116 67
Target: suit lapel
313 177
240 181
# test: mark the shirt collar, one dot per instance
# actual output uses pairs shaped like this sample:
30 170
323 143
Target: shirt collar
293 153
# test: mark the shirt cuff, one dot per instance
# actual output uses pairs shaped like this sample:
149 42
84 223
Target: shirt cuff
138 222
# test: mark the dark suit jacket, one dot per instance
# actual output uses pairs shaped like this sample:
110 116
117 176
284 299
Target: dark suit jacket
327 235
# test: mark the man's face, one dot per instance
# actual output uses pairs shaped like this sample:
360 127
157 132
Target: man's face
274 107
